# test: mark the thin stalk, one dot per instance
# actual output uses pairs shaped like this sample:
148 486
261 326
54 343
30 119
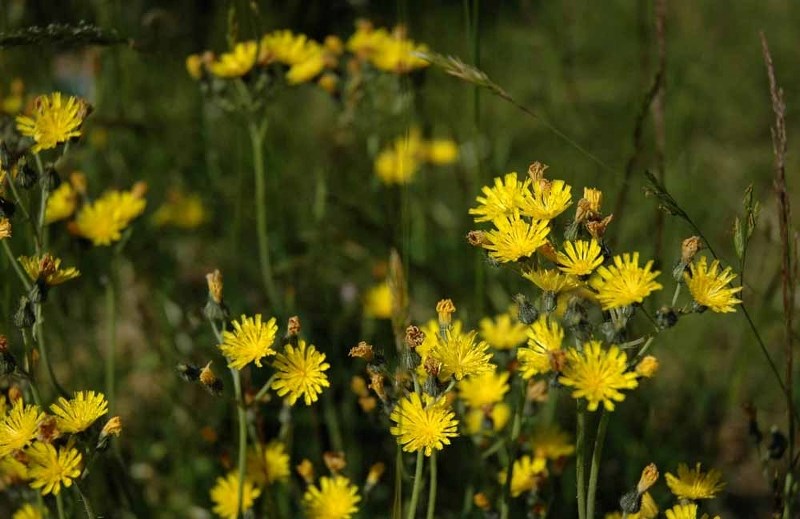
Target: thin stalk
432 488
24 211
60 506
264 388
29 367
87 506
397 505
676 294
237 388
257 141
512 452
412 505
597 454
38 328
111 339
580 461
45 184
14 263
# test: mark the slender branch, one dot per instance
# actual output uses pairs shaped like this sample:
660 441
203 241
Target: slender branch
580 460
14 263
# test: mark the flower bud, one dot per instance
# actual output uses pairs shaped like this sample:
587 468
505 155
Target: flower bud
24 318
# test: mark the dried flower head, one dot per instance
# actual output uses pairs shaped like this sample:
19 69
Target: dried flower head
293 327
335 461
648 478
647 367
215 285
689 248
414 337
445 309
305 469
363 351
5 228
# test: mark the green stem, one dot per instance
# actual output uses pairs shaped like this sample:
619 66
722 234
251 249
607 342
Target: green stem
87 506
60 506
580 461
45 184
412 506
14 263
676 294
516 427
257 141
597 454
763 347
264 388
24 211
237 388
111 351
397 506
38 328
29 368
432 489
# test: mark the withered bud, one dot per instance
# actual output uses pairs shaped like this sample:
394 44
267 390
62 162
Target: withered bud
648 478
558 360
47 431
367 403
536 171
445 309
214 281
689 248
5 228
293 327
113 427
3 344
139 189
544 185
14 393
375 473
537 391
78 181
476 238
414 337
335 461
363 351
306 471
583 210
548 251
597 228
481 501
647 367
376 384
432 367
210 381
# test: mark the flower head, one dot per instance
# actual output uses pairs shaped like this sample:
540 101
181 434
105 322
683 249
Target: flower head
502 332
267 464
250 341
552 443
237 62
5 228
61 203
695 484
580 258
103 220
549 199
378 301
55 119
461 356
335 498
487 419
399 162
551 280
225 495
710 287
485 389
682 511
515 238
305 57
77 414
598 375
301 373
47 269
19 427
544 338
624 282
506 198
28 511
527 475
50 468
421 426
181 210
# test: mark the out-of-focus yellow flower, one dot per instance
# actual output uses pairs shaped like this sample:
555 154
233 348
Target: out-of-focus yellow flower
598 375
399 163
477 419
388 52
485 389
300 373
181 210
527 475
28 511
50 469
13 102
236 63
378 301
194 66
225 495
103 220
551 443
305 57
61 203
268 464
441 151
47 269
335 498
54 120
710 286
503 332
423 426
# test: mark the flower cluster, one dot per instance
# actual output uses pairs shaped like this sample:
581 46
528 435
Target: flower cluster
400 162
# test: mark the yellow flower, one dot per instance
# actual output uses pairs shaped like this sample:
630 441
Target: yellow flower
505 199
267 464
250 341
79 413
515 238
544 338
594 197
61 203
300 372
709 286
50 468
378 301
12 471
54 120
28 511
648 510
598 375
647 367
695 484
225 495
549 199
552 443
526 475
551 280
18 427
305 57
485 389
47 269
460 356
624 283
335 498
423 427
181 210
580 258
441 151
5 228
399 162
103 220
236 63
503 332
687 511
476 419
194 66
389 52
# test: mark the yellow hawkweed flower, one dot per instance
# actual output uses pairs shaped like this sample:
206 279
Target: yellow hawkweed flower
225 495
378 301
552 443
399 162
54 120
515 238
5 228
594 197
12 471
47 269
710 287
549 199
647 367
268 464
61 203
236 63
28 511
398 55
485 389
686 511
300 373
460 356
477 420
624 282
506 198
598 375
580 258
79 413
305 57
551 280
250 341
503 332
113 427
527 475
19 427
544 338
103 220
421 426
50 469
441 151
335 498
181 210
194 66
695 484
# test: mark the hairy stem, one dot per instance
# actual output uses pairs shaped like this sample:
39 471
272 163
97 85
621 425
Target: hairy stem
412 505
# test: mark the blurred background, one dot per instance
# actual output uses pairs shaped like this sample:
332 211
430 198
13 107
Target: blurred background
584 68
